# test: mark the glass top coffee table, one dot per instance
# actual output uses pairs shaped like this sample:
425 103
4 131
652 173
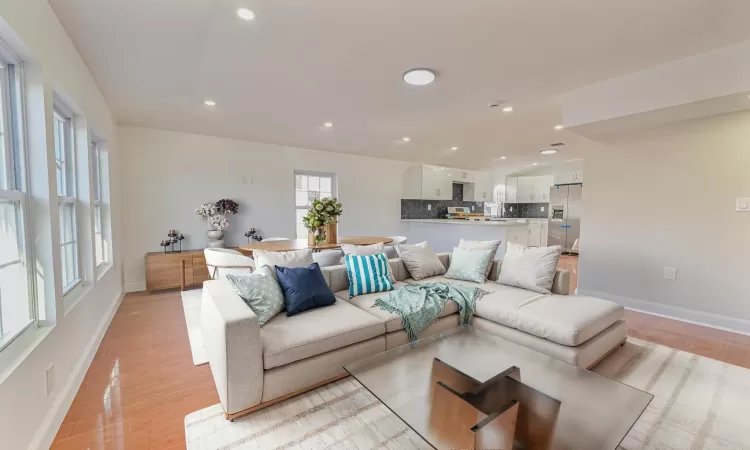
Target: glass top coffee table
469 389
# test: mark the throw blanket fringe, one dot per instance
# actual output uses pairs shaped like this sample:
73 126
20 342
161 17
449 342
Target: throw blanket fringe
419 305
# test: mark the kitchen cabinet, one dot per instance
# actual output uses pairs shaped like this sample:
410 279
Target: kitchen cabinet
480 190
545 232
511 190
518 235
525 190
537 231
542 185
462 176
569 177
427 182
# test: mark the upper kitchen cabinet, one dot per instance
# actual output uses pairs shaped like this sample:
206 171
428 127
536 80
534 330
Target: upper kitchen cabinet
427 182
569 178
480 190
525 190
542 185
462 176
511 190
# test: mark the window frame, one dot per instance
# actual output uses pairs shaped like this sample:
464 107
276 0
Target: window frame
97 201
14 188
309 173
68 198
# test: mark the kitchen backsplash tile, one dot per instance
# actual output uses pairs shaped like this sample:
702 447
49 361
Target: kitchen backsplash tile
417 209
526 210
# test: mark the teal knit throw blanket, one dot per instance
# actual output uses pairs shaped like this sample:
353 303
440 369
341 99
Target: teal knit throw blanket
419 305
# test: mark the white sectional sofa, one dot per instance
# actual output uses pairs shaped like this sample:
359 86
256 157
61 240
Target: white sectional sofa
255 366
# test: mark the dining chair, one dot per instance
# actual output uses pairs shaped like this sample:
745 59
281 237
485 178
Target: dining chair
274 239
390 249
224 261
328 258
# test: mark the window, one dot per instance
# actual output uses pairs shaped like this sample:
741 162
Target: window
97 164
17 310
66 195
309 186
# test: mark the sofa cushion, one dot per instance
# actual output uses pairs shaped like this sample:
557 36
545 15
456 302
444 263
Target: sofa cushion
566 319
392 321
288 339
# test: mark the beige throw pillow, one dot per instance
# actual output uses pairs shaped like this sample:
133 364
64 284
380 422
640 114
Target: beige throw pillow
529 268
295 258
481 245
420 260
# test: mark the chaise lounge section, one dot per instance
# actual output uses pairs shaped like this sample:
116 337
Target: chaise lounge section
254 367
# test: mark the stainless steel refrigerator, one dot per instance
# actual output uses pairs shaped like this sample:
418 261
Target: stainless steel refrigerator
565 216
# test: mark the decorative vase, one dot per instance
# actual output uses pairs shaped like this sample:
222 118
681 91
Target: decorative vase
215 239
310 238
320 236
332 233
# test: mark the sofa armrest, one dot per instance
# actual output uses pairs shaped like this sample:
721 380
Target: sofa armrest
561 282
231 334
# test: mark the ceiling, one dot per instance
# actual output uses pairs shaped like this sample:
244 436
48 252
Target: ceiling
301 63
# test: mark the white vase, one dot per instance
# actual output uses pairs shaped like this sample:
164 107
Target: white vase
215 239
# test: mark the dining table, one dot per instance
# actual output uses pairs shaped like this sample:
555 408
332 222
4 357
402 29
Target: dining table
301 244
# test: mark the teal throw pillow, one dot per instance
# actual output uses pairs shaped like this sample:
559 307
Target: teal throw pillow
469 265
368 274
261 291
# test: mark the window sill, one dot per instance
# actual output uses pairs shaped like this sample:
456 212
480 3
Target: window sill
102 270
74 296
17 351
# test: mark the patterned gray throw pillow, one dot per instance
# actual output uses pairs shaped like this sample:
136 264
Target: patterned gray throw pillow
261 291
469 265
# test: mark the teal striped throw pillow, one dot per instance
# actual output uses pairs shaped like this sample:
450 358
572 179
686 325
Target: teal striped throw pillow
368 274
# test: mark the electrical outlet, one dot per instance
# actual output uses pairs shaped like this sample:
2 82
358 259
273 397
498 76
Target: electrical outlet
49 376
247 179
542 208
429 207
670 273
743 205
472 207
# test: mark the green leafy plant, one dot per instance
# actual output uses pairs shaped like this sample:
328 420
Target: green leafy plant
322 212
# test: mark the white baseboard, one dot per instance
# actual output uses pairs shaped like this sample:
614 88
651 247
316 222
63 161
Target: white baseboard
707 319
135 286
54 418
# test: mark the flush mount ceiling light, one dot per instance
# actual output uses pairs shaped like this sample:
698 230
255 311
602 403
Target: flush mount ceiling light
419 77
559 127
245 14
533 164
503 157
406 139
209 102
454 148
548 151
328 124
508 109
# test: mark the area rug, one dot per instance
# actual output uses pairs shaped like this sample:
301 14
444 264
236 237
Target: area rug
191 305
699 403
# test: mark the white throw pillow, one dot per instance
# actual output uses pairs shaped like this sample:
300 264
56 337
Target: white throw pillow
529 268
363 250
481 245
420 260
295 258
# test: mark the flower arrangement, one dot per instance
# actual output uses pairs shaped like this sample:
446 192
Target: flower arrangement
322 212
215 214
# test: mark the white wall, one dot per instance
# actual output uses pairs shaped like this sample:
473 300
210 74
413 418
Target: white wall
575 165
666 197
28 417
166 175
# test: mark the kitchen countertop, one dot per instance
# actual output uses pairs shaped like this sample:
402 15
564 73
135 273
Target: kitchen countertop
490 223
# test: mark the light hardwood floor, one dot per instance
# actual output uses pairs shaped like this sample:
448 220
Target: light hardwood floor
142 382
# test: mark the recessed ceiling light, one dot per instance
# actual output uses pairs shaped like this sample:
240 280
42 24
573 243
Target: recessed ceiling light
454 148
533 164
246 14
548 151
406 139
508 109
328 124
559 127
503 157
419 77
209 102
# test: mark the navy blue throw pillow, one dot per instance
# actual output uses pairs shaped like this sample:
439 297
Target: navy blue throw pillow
304 288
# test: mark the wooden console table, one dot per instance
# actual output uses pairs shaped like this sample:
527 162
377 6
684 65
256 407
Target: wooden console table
172 270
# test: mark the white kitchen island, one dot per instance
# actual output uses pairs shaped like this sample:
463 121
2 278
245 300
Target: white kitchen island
444 234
